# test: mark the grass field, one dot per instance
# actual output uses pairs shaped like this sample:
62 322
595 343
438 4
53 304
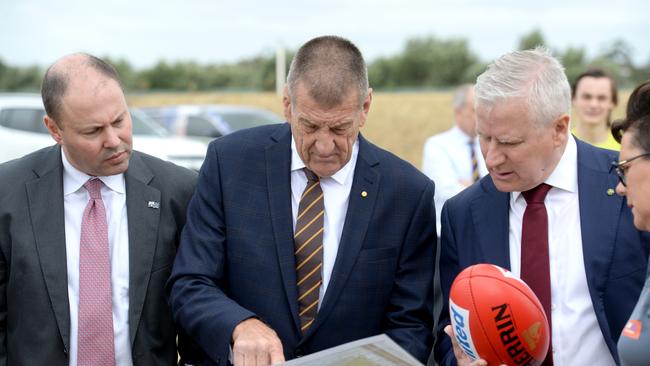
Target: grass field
398 122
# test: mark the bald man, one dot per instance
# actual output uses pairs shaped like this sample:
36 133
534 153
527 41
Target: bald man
88 233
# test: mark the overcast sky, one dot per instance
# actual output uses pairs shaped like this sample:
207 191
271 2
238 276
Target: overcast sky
209 31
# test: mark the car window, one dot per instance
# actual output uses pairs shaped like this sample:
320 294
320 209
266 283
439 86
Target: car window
145 126
23 119
241 120
199 126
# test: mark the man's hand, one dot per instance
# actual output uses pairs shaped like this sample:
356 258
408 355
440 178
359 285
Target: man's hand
461 358
255 344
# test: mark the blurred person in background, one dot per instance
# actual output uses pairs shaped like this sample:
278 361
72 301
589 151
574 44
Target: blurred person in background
88 232
452 159
303 236
594 96
633 169
586 262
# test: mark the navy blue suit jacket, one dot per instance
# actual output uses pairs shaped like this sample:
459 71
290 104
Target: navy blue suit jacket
475 230
236 256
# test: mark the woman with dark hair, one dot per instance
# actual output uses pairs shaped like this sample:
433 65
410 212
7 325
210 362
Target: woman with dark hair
633 170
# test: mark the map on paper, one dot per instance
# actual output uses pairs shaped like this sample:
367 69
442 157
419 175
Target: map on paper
373 351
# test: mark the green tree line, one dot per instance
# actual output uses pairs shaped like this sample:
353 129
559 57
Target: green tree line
423 63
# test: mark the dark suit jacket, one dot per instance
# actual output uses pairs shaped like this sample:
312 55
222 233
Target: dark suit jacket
236 256
34 311
475 230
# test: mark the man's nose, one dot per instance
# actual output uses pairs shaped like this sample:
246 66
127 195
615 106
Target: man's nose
324 144
112 138
493 157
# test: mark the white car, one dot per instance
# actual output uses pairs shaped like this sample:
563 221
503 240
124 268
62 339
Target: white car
22 131
208 121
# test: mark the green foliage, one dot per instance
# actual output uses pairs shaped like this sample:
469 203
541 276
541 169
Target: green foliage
424 62
16 79
531 40
574 61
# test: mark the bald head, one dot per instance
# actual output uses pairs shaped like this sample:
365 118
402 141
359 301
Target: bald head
65 71
330 68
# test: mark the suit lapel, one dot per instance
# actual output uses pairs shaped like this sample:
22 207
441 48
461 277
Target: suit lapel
357 218
143 233
278 176
599 215
45 197
490 214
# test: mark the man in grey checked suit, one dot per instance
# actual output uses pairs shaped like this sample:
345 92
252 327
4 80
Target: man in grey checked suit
42 199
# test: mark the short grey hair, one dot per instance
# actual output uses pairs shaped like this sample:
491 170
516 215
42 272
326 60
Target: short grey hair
533 75
460 96
328 67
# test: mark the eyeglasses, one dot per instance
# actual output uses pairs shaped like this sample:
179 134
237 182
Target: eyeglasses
622 166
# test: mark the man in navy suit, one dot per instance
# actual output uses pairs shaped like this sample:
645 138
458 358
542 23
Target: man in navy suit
596 259
235 285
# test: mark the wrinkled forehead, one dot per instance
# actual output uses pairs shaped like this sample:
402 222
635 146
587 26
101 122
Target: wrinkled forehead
503 115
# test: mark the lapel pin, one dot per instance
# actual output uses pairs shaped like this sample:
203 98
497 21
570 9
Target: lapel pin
610 192
364 194
153 204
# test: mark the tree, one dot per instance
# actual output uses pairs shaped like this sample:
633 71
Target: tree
574 61
531 40
431 61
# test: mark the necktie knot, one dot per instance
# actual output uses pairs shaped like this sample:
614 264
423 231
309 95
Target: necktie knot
537 194
311 176
94 188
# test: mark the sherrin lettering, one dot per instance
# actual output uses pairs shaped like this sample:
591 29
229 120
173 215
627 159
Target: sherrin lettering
496 316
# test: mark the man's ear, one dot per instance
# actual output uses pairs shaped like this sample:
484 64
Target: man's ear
286 103
561 129
53 129
366 108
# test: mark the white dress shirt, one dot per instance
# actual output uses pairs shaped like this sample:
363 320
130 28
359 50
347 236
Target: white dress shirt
75 199
336 196
577 338
447 160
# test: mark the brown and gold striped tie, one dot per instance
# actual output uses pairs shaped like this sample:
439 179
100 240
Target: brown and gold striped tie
308 241
475 173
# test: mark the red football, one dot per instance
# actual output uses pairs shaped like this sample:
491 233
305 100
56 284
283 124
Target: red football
497 317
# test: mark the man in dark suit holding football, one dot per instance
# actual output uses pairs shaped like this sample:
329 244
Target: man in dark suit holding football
547 212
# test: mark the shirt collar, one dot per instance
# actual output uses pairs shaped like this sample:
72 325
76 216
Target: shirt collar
565 174
73 178
341 176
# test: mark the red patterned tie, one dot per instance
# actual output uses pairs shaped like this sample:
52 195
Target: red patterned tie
95 344
535 267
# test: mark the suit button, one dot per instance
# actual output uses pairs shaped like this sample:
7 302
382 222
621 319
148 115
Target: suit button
298 352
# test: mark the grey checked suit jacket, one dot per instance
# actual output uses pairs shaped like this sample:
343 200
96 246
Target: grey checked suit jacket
34 310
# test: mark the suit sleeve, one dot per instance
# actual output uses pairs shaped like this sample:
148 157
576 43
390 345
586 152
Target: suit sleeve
409 317
198 283
3 295
449 268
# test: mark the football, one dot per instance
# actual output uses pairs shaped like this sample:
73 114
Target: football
497 317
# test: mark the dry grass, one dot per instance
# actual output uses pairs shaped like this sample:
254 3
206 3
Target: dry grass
398 122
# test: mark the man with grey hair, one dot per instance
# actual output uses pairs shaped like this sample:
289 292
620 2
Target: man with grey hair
453 158
585 262
303 236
